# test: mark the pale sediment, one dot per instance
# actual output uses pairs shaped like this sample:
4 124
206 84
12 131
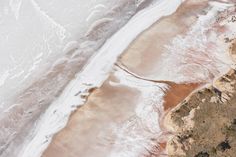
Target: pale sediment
123 117
119 115
20 118
92 76
138 133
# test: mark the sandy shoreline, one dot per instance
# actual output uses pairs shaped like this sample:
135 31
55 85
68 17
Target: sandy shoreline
204 123
130 89
124 116
110 106
66 141
76 92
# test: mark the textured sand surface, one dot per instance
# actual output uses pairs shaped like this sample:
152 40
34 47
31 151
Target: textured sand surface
205 121
204 124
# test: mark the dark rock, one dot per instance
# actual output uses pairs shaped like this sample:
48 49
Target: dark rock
217 91
202 154
234 121
223 146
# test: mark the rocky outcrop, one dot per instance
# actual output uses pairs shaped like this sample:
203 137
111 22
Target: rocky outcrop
205 122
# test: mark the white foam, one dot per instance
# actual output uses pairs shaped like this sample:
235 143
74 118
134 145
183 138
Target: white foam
93 75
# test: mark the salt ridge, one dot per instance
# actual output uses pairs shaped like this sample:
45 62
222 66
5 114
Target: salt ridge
93 75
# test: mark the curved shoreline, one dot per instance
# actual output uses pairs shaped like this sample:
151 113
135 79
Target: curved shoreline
18 120
124 105
59 111
143 139
203 124
207 114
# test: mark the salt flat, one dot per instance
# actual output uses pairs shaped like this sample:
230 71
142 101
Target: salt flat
98 77
156 72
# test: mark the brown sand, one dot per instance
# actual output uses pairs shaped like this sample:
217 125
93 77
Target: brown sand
89 132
